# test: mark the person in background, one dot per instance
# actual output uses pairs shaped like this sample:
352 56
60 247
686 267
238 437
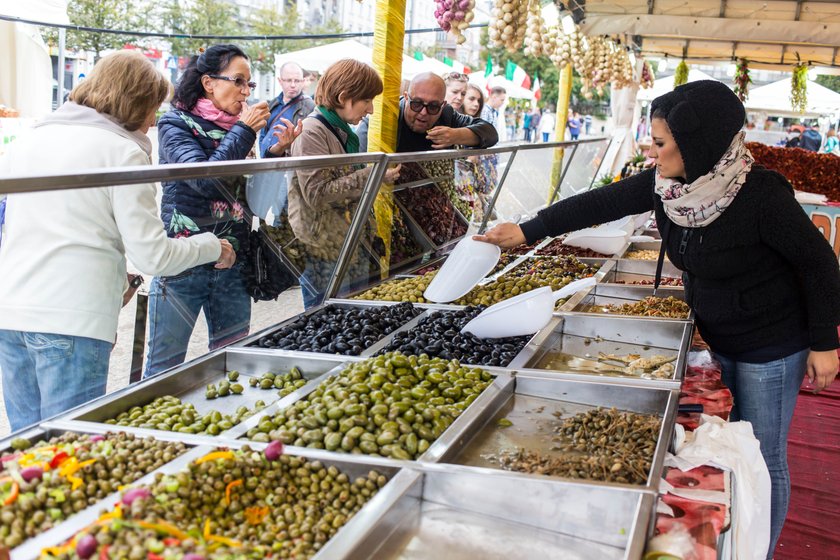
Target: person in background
427 122
309 78
490 112
762 280
535 122
526 126
456 89
287 110
510 123
63 254
832 144
573 124
321 199
473 101
811 139
547 123
210 121
587 123
641 128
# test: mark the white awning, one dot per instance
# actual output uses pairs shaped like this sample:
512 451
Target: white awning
318 59
774 99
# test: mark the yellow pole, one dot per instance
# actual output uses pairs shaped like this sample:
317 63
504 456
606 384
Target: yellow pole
564 98
388 36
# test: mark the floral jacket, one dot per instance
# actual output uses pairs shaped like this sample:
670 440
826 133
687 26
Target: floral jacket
216 205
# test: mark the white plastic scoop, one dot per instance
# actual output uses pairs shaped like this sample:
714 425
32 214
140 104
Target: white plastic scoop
523 314
466 265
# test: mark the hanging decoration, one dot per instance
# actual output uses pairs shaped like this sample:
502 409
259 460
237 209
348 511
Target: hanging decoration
454 16
742 79
508 23
647 78
799 88
537 41
681 75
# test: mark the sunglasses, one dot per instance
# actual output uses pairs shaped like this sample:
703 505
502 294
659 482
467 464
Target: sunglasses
457 76
432 108
239 82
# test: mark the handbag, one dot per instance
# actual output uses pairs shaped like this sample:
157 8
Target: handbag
266 275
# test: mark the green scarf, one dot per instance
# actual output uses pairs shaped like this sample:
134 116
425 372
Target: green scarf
351 146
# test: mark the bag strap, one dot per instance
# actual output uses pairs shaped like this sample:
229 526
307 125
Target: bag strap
284 111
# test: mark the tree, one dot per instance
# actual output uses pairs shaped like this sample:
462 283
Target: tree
831 82
199 17
101 14
270 21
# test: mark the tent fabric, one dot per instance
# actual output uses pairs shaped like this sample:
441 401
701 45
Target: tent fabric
26 73
774 99
513 91
48 11
665 84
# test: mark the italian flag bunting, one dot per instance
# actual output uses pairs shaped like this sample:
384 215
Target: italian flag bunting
517 75
456 66
536 89
419 56
488 70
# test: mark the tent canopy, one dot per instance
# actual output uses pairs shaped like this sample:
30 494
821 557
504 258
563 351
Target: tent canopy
318 59
49 11
666 83
771 34
513 91
774 99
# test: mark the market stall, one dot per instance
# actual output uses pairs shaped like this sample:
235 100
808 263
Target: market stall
485 419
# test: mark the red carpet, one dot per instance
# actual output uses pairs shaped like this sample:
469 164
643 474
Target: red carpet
811 529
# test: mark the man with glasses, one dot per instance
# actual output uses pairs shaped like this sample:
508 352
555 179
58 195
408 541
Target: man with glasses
427 122
291 105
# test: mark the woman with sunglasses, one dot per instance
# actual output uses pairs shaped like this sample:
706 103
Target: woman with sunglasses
210 120
456 89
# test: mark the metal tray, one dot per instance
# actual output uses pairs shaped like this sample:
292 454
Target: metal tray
628 271
607 294
188 382
501 380
250 342
643 246
585 335
351 465
32 548
449 308
444 511
529 403
409 216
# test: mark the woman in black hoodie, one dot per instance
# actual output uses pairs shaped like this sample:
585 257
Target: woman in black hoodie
762 280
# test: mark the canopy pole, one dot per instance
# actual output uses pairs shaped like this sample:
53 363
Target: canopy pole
564 98
62 35
388 37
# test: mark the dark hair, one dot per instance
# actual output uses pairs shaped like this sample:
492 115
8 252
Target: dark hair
214 60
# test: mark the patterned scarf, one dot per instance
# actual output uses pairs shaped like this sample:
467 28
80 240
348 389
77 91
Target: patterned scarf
700 203
205 109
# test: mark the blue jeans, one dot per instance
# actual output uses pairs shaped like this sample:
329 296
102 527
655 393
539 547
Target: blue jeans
765 395
174 304
45 374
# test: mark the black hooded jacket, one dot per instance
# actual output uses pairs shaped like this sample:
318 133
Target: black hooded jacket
761 278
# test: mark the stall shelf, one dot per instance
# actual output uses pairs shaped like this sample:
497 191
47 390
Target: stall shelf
494 513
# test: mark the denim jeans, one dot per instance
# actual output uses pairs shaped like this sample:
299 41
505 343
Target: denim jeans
45 374
765 395
174 304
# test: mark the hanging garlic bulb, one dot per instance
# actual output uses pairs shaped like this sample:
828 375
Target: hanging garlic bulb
647 78
455 16
508 22
536 43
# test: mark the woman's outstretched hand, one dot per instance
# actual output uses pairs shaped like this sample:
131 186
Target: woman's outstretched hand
506 236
